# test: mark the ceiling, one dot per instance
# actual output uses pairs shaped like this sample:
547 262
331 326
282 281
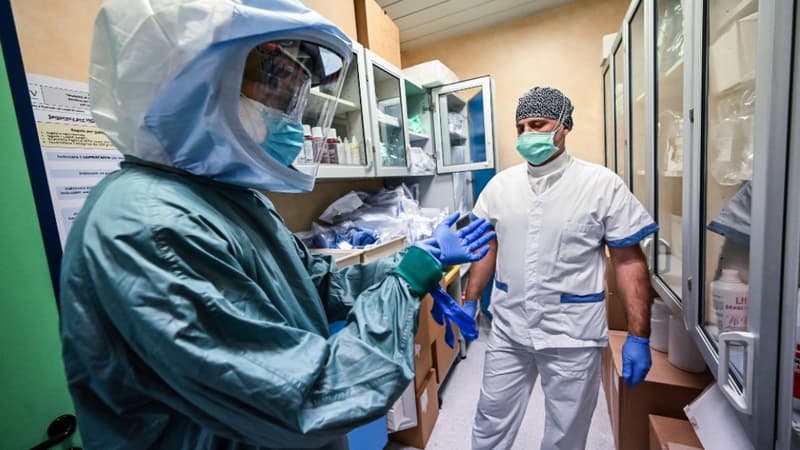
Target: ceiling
424 21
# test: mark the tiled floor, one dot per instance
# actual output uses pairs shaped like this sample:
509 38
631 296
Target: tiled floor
460 397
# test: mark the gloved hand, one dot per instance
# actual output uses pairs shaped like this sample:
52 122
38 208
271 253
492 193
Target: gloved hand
446 309
471 307
456 247
635 360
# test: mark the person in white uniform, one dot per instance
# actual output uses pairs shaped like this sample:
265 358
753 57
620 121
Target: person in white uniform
553 215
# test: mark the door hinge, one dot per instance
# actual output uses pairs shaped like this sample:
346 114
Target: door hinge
691 115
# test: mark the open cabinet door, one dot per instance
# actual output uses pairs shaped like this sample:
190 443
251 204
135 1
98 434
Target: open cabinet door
464 125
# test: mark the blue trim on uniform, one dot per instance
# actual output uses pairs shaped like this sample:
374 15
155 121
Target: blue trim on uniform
635 238
500 285
729 233
591 298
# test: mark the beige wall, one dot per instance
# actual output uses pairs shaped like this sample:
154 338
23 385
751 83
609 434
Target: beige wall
559 47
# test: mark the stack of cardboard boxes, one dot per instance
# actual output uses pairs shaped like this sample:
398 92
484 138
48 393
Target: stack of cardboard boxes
433 359
665 391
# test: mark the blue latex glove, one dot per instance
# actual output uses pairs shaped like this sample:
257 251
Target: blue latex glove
471 307
456 247
635 360
445 310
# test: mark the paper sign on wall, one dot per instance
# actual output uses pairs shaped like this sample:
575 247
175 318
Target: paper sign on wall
76 154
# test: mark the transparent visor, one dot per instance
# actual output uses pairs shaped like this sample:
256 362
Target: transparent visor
290 90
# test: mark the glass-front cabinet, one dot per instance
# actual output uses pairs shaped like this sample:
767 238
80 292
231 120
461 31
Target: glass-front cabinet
349 140
733 253
427 131
700 107
669 144
620 140
463 129
390 141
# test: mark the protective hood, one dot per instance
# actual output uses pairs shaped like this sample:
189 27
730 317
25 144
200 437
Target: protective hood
165 79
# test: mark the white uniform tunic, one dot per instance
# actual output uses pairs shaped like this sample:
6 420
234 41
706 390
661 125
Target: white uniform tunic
549 280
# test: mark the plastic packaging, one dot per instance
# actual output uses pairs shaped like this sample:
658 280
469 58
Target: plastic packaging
403 414
348 156
659 327
729 297
683 353
308 145
318 141
332 146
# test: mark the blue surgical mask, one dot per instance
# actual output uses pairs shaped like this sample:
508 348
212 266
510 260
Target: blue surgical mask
284 140
537 147
280 137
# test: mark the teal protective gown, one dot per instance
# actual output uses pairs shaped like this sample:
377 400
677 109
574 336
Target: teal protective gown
192 318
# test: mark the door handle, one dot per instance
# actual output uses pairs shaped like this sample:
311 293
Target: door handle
59 430
742 402
668 253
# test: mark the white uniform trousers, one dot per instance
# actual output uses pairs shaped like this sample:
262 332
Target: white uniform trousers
570 380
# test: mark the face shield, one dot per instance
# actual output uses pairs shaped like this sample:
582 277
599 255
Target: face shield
279 77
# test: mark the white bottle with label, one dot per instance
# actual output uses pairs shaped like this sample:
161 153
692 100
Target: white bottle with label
729 295
308 146
348 156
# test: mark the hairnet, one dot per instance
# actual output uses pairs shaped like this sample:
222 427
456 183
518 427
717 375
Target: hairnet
545 102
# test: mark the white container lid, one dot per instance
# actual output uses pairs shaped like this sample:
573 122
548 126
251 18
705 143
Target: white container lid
306 130
331 133
316 132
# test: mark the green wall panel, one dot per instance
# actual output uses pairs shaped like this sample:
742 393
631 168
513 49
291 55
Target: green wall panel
33 389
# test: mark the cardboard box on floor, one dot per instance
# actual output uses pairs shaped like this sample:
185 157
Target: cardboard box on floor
427 413
665 392
666 430
443 355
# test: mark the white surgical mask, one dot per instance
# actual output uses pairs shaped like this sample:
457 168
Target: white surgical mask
251 113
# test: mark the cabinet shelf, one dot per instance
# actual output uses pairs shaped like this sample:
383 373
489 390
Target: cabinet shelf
416 137
387 119
454 103
342 105
743 9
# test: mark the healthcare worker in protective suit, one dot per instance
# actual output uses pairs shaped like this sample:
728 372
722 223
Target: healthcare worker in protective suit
554 214
191 317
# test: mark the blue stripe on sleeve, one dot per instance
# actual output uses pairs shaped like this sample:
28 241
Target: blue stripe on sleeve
591 298
635 238
500 285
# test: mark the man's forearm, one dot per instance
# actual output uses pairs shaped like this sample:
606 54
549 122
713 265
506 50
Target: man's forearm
480 272
633 282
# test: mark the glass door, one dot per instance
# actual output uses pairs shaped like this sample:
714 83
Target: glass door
351 126
619 110
739 115
419 126
608 116
637 141
464 125
387 112
669 136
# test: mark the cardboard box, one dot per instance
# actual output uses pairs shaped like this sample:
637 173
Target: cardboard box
664 392
666 430
342 257
423 355
427 413
378 251
426 322
443 355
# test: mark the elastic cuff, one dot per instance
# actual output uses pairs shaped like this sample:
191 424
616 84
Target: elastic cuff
421 270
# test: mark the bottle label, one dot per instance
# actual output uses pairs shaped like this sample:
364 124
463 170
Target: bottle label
796 387
731 312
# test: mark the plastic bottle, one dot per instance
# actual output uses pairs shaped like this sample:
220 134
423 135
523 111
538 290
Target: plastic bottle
340 156
729 295
348 156
355 152
318 141
331 144
308 146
